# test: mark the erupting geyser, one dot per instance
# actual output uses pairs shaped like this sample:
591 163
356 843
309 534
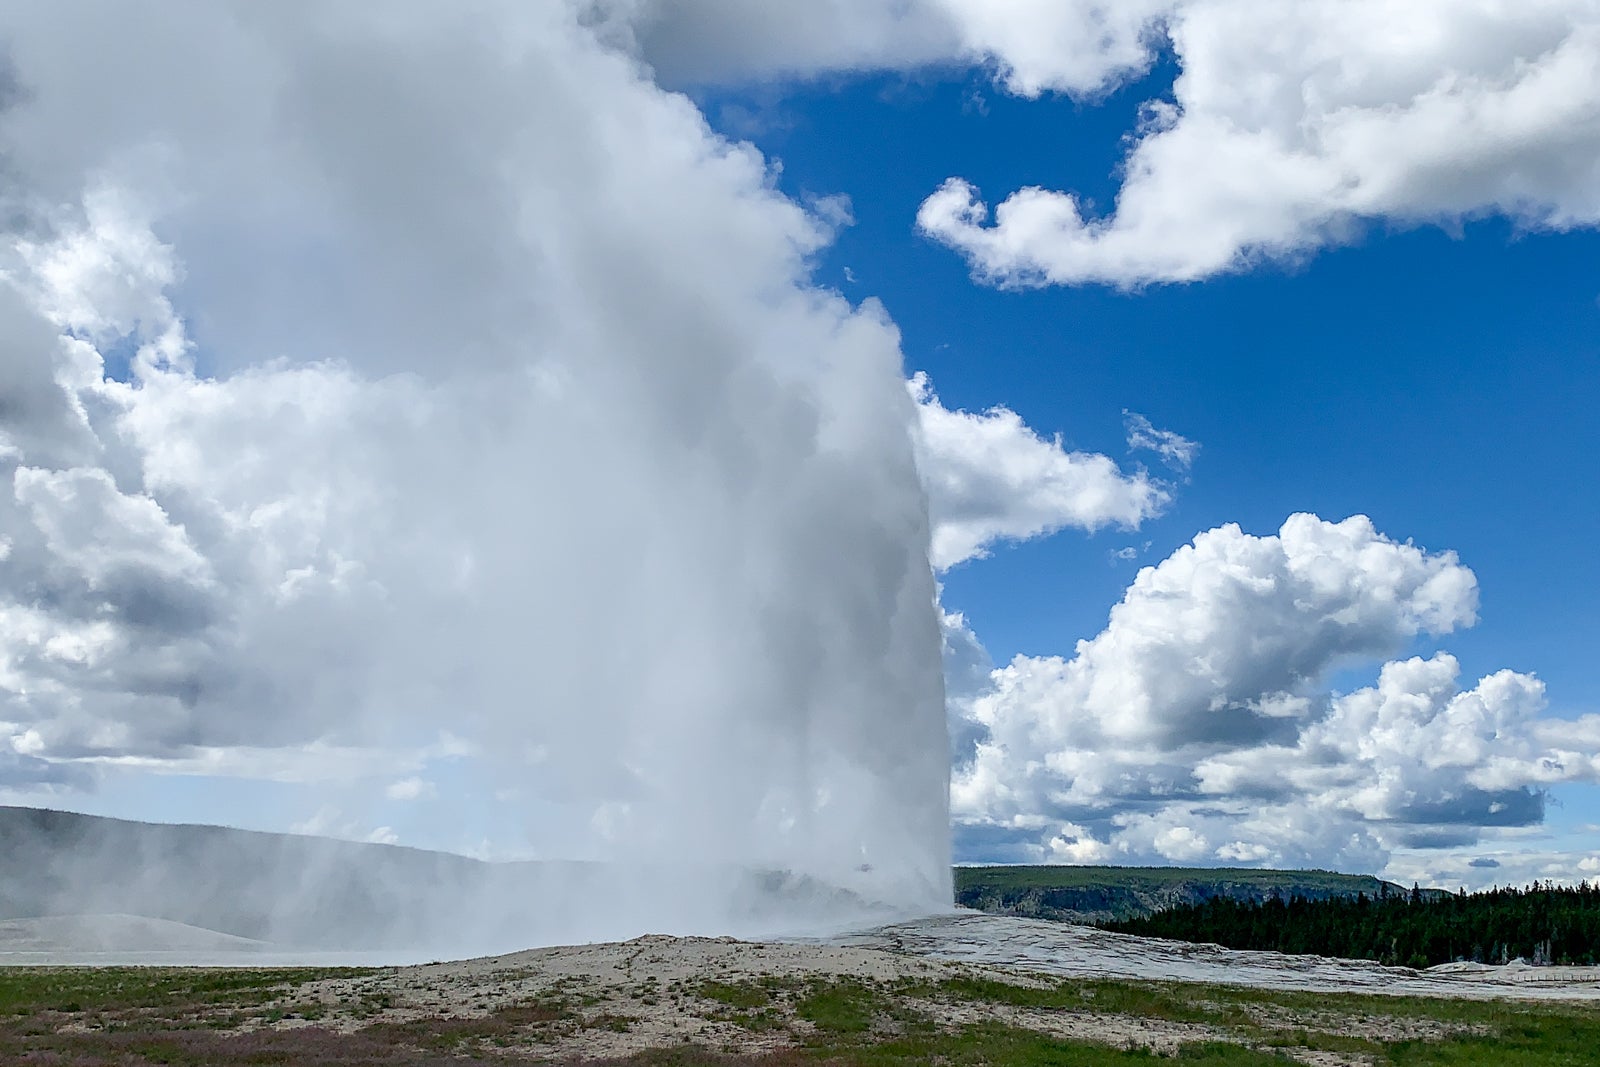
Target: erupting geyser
418 390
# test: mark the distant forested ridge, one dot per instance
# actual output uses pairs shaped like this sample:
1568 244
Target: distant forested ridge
1540 924
1101 894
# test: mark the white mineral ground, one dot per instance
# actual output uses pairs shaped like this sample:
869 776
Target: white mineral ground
1086 952
959 942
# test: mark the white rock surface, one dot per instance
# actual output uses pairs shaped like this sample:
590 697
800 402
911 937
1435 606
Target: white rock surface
1083 951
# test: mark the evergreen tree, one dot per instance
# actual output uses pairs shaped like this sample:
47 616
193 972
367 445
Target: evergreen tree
1542 924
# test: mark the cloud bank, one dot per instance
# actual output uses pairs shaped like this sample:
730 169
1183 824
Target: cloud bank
1197 727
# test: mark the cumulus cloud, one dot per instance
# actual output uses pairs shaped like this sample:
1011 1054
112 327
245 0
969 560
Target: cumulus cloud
1074 46
1196 727
1033 46
1293 125
338 409
991 478
1232 616
1416 750
1290 126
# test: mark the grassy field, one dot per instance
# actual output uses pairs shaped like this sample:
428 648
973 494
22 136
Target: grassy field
131 1017
1104 894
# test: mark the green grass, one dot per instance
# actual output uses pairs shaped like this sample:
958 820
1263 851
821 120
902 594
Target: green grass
743 995
94 989
1534 1039
1510 1033
844 1006
994 1044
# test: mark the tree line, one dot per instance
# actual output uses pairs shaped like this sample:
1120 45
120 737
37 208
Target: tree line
1542 924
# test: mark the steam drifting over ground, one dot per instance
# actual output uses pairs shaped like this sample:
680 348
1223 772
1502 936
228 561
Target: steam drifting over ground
405 391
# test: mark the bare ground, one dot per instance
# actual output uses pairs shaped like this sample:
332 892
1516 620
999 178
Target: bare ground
660 992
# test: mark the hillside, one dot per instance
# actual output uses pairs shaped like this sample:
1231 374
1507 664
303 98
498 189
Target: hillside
289 888
1115 894
294 890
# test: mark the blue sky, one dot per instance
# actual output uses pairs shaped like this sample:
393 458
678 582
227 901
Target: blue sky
1443 383
482 432
1439 378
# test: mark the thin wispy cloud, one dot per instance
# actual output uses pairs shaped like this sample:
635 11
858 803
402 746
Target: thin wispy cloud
1174 449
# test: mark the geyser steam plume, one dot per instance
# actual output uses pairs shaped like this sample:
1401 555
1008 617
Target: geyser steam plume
418 390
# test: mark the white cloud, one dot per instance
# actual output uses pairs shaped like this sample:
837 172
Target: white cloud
1234 618
107 278
426 422
1074 844
1498 864
991 478
1197 726
1415 748
329 821
410 789
101 533
1416 754
1076 46
1174 449
1291 125
324 821
1072 46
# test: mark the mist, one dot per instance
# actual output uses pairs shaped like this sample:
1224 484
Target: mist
411 396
